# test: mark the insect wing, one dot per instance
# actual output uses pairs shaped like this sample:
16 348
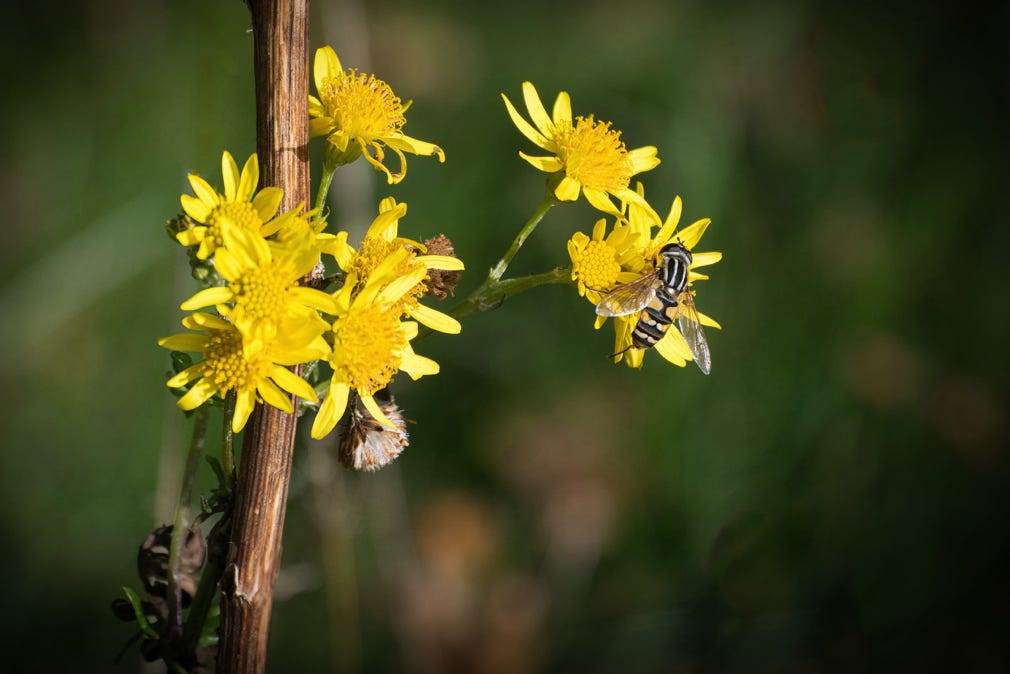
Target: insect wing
628 298
690 328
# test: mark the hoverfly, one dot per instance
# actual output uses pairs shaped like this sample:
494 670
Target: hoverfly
661 296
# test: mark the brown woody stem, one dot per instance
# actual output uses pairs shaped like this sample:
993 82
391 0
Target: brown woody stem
280 39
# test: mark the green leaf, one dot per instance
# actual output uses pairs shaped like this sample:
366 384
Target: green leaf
138 612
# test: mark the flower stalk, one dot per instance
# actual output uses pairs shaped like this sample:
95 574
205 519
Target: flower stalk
281 33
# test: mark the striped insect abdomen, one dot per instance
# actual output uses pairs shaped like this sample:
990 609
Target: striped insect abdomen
654 320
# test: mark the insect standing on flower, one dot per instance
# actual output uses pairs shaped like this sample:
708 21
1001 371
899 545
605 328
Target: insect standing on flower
660 297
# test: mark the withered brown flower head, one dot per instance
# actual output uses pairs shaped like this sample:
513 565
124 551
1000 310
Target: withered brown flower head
441 282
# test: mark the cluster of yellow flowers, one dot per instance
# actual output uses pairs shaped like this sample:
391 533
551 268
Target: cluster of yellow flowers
263 319
258 320
587 157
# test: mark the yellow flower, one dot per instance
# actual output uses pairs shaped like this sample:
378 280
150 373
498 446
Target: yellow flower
599 264
370 342
263 287
587 156
381 241
240 205
360 114
672 346
227 366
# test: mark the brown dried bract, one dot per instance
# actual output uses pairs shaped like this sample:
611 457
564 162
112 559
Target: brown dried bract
367 444
441 283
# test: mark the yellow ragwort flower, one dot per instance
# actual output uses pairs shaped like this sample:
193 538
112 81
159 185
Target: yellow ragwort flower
587 156
359 114
226 366
240 205
263 292
370 342
672 346
599 264
380 242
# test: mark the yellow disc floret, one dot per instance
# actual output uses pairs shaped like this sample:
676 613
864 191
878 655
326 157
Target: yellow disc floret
362 105
594 154
597 266
226 365
372 341
262 293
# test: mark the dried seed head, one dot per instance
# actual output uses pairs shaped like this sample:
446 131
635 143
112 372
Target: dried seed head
440 282
152 562
367 444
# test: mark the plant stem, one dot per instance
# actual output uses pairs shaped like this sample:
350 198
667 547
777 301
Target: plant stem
325 179
228 441
499 269
180 526
492 293
281 65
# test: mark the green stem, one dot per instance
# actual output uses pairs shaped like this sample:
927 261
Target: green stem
324 184
206 591
492 293
180 526
499 269
228 441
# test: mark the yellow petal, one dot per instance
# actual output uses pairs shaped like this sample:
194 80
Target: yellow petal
244 404
670 224
549 164
709 321
417 366
229 171
191 237
421 148
267 202
643 159
195 208
705 259
249 180
208 297
537 111
325 65
600 201
673 348
204 192
185 341
436 320
197 395
274 396
376 411
191 373
524 126
324 126
331 409
568 189
562 112
691 235
441 262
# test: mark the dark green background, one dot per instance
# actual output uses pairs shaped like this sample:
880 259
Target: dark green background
832 498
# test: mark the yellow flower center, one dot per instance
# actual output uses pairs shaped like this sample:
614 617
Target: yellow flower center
371 341
227 366
362 106
261 293
238 213
375 249
597 266
594 155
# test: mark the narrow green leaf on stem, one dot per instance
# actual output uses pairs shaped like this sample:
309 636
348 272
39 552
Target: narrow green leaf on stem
181 524
138 611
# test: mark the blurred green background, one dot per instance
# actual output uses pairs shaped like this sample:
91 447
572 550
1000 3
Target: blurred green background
833 498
